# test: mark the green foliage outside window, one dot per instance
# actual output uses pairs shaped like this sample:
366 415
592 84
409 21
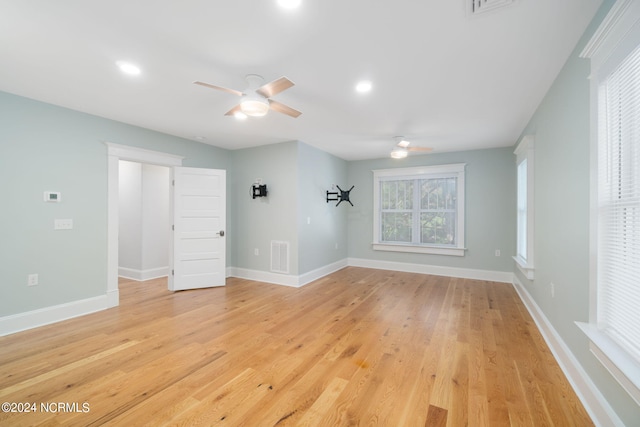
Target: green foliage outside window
431 201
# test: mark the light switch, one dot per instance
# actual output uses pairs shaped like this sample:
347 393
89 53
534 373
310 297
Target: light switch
63 224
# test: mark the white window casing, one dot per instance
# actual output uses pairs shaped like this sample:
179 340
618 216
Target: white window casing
614 266
419 209
525 206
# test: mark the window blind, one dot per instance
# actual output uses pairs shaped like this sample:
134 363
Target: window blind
618 261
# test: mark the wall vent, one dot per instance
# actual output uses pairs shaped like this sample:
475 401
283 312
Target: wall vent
481 6
279 256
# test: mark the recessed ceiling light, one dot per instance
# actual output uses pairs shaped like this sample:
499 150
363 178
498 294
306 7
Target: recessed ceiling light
364 86
199 138
128 68
289 4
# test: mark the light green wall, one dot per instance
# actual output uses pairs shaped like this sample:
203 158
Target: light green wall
321 226
48 148
297 176
261 220
561 127
489 209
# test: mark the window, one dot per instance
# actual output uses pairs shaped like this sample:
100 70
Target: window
614 318
420 209
524 246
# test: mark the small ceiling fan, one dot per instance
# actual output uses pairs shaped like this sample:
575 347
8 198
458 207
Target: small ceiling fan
256 99
403 147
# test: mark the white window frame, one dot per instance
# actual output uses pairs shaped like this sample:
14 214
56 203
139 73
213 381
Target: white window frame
422 172
524 261
616 37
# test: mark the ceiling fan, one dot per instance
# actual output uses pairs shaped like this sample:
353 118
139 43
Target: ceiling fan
403 148
256 99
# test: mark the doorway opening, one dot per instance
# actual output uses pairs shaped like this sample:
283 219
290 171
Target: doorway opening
116 153
144 220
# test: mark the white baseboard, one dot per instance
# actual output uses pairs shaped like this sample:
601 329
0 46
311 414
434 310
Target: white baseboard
264 276
45 316
140 275
319 273
286 279
465 273
303 279
594 402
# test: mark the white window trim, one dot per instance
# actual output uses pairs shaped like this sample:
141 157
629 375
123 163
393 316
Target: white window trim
615 32
524 151
412 172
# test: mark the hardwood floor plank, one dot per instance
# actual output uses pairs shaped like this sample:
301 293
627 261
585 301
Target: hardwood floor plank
65 369
436 417
357 347
324 402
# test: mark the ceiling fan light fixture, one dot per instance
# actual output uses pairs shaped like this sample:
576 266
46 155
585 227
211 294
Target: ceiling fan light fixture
254 107
399 153
403 143
239 115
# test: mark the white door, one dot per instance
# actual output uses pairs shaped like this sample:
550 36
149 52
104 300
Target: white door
199 221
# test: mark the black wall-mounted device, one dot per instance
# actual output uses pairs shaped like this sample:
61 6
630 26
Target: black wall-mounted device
258 190
339 196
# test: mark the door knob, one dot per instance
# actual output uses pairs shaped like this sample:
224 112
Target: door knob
220 233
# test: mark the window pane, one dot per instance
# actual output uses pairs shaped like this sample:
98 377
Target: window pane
438 228
396 195
438 194
396 226
522 209
438 211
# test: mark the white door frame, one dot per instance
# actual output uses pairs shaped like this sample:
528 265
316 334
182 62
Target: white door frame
115 153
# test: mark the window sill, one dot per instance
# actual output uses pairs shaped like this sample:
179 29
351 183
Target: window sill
435 250
621 365
526 269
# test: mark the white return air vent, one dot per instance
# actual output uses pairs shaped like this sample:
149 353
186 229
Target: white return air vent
481 6
280 256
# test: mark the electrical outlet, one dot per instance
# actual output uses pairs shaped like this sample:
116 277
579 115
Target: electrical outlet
256 252
553 290
32 279
497 252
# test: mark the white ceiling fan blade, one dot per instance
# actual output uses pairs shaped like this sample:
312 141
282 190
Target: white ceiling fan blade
275 87
284 109
224 89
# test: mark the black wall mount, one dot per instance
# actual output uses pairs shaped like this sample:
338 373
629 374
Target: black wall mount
258 190
339 196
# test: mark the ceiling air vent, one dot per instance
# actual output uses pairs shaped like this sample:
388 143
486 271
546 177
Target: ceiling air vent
481 6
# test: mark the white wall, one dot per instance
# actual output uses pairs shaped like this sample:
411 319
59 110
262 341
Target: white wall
144 220
130 232
155 217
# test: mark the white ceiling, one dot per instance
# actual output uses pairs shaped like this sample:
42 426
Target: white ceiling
441 77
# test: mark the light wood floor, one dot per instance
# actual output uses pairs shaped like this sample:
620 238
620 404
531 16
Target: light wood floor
358 347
